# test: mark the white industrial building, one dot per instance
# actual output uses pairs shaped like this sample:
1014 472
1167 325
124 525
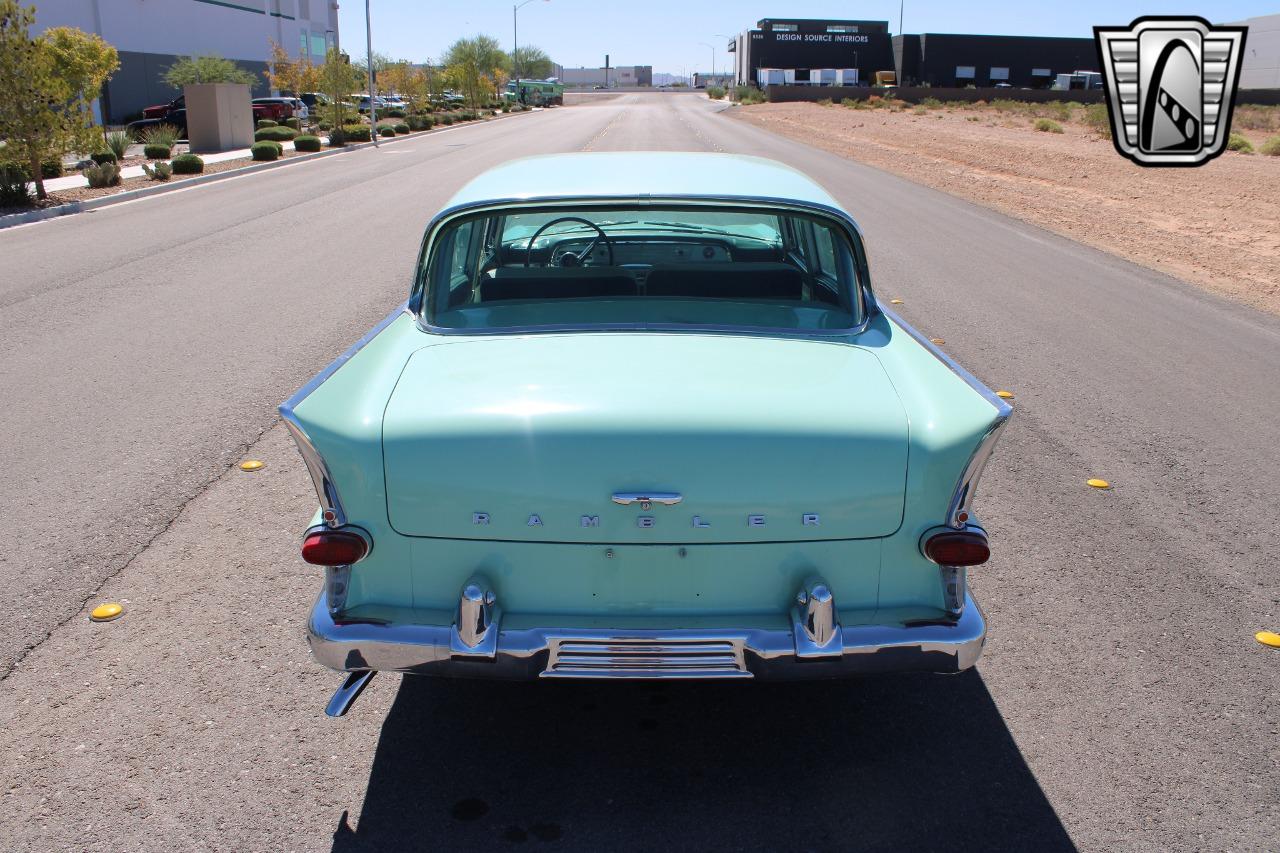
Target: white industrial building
151 34
1260 66
622 75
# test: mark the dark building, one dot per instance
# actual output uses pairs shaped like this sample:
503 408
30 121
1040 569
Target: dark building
811 52
1032 62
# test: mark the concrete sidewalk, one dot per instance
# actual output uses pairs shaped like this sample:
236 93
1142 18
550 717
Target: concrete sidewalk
76 181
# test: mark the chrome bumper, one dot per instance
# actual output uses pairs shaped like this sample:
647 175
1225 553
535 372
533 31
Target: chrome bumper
565 652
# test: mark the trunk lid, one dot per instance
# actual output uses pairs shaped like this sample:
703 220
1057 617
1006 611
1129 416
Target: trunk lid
529 438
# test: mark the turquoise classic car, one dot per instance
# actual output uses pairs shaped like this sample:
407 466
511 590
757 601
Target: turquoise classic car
642 416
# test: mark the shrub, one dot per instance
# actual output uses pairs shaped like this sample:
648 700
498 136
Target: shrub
161 134
294 123
1060 110
824 102
400 127
103 157
356 133
420 122
386 130
931 103
325 125
306 142
157 152
920 110
13 186
1257 117
1271 147
715 92
102 175
48 169
266 122
446 119
275 134
159 172
394 112
187 164
119 141
1097 119
1048 125
266 150
1236 142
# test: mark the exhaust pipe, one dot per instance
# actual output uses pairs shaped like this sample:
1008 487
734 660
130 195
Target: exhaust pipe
347 693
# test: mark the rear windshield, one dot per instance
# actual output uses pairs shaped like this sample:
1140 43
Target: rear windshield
662 267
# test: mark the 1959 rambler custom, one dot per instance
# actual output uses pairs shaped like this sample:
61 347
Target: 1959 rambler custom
643 417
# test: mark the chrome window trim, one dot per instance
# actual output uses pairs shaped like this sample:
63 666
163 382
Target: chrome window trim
869 303
326 489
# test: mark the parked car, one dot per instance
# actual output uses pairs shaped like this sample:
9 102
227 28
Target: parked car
394 102
314 100
285 106
362 103
643 416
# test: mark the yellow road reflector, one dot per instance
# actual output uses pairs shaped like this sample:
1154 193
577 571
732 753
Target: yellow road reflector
938 341
895 301
1268 638
252 465
1005 395
1098 484
106 612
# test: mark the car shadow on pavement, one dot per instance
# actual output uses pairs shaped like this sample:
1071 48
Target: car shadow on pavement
891 763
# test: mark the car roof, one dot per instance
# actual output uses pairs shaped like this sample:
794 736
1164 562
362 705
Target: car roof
631 174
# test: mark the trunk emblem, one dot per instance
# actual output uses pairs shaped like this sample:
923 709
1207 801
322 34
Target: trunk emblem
647 499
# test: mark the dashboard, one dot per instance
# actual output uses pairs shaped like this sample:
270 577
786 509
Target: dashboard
643 252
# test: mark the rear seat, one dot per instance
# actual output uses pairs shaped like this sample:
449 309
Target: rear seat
727 281
555 283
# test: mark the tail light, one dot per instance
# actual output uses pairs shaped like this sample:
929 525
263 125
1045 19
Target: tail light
957 548
334 547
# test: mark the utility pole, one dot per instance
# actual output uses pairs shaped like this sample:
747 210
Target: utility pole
368 41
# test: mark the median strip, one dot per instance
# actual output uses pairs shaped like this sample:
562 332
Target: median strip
38 215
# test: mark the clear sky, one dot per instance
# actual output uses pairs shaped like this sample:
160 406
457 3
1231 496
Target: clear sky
666 33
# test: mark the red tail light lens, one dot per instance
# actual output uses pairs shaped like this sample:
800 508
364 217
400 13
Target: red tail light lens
957 548
334 548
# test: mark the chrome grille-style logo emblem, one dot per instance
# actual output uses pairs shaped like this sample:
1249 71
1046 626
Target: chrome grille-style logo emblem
1171 85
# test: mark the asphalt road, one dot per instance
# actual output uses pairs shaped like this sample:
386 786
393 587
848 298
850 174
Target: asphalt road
1122 702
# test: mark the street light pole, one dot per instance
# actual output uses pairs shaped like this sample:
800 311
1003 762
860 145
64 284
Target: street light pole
515 41
721 36
713 56
368 41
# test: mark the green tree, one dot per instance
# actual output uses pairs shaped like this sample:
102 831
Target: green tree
338 79
477 66
381 62
532 63
191 70
47 86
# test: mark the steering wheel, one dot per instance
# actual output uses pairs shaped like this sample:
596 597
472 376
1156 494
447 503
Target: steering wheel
586 253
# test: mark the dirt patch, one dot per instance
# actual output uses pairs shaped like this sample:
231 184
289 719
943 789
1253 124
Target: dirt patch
1217 226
